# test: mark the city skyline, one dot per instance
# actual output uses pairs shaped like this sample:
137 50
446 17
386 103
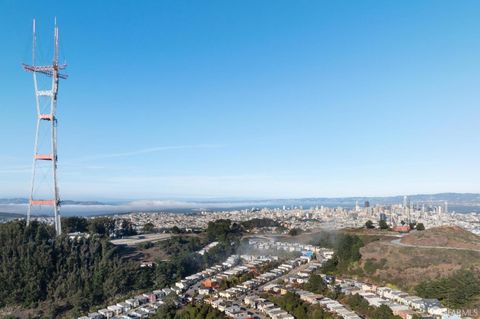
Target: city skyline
253 100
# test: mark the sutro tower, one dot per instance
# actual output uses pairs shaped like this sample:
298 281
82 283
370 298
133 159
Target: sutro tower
45 150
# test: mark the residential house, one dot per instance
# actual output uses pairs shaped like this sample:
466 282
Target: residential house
115 309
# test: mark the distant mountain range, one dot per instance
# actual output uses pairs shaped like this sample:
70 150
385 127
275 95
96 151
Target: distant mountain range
460 202
467 199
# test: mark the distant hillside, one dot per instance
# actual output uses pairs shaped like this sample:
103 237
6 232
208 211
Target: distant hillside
445 236
13 201
451 198
384 262
10 215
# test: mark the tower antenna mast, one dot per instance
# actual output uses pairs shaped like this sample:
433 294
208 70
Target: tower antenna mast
46 120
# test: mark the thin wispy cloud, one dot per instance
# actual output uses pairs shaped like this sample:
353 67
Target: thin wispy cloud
151 150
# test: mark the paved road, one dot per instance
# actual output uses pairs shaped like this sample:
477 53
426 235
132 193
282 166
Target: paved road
397 242
259 289
292 272
137 239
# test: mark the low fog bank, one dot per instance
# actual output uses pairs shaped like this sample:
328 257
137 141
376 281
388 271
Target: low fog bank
134 206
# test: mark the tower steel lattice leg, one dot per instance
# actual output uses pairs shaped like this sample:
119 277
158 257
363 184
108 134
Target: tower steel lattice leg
52 93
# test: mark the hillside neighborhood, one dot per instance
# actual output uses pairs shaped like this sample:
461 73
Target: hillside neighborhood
272 275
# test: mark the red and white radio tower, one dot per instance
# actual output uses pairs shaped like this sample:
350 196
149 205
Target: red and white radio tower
46 104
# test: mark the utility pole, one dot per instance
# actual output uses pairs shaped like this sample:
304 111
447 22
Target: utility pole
46 106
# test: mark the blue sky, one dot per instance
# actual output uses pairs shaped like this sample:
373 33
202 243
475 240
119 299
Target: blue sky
172 99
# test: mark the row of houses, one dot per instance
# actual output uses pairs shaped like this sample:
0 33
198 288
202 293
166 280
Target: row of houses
144 305
430 306
267 307
214 282
141 306
401 303
305 249
227 265
330 305
230 309
226 301
263 244
303 276
207 248
257 257
249 285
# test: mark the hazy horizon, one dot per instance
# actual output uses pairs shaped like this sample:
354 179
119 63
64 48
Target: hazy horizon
461 203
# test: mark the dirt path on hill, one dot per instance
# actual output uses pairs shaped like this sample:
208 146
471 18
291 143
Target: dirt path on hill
397 242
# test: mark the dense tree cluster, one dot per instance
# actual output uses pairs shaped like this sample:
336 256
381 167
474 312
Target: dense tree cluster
260 223
295 231
292 303
382 224
102 226
76 274
177 245
36 266
360 305
75 224
420 226
315 284
347 251
167 272
199 311
223 230
148 228
185 261
455 291
190 311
